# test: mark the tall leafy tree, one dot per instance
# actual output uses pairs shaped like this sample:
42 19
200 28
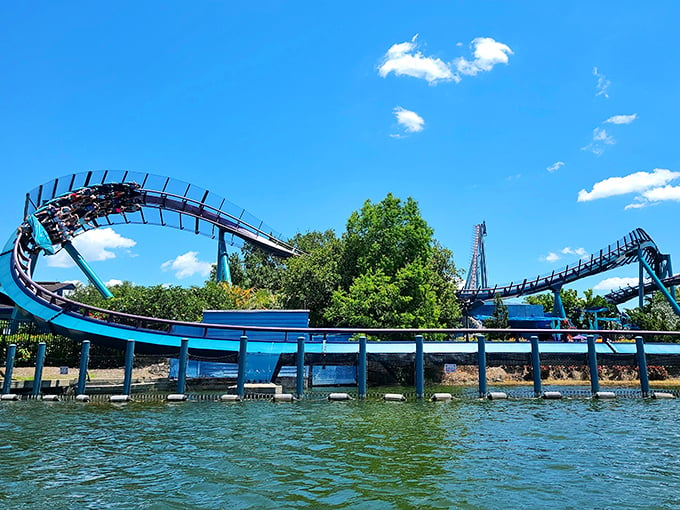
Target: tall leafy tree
308 282
255 268
385 237
392 271
656 315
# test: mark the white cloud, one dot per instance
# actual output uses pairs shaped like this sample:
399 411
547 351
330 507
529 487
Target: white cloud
112 282
621 119
76 283
600 135
636 205
602 83
567 250
402 59
555 166
487 53
551 257
581 252
663 193
410 121
637 182
187 265
600 139
655 196
94 245
615 283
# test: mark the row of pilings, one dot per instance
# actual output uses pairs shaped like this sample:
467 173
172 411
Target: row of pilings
419 367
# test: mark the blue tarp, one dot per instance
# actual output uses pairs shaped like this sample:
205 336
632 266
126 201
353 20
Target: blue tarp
259 368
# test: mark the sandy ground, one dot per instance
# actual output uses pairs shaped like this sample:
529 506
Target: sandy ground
149 373
468 376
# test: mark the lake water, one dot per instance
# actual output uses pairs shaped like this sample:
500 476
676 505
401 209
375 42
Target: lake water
467 454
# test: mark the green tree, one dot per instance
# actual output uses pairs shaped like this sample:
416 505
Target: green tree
392 271
499 318
384 237
575 307
308 281
175 302
656 315
255 268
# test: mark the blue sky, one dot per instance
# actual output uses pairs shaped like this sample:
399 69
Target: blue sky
553 122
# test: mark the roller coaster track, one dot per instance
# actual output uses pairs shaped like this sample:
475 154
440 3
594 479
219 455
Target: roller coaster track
158 201
624 294
165 202
625 251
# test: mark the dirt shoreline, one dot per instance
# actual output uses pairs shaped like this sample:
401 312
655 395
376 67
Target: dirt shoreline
148 373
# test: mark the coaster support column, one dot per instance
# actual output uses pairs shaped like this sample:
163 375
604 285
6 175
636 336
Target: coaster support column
85 268
223 273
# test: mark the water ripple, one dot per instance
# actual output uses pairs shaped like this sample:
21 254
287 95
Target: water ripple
470 454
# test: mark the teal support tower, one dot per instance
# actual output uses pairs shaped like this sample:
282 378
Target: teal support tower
85 268
223 271
657 281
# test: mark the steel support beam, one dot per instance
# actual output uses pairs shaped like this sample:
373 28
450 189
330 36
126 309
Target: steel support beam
85 268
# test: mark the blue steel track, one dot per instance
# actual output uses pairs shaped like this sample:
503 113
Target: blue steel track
625 251
171 203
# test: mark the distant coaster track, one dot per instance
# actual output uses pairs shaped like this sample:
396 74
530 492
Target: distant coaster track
627 293
625 251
